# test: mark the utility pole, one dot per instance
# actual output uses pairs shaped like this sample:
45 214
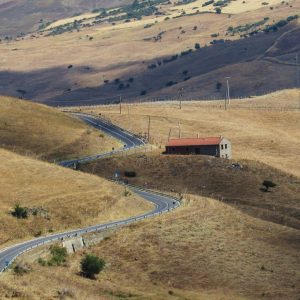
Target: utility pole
169 134
179 130
120 104
180 97
149 122
228 90
298 77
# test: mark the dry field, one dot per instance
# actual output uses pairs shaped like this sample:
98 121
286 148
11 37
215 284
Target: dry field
105 52
268 135
204 250
39 131
64 198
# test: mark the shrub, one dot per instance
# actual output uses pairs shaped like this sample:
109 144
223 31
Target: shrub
91 265
186 52
130 173
218 86
58 256
20 212
197 46
152 66
21 269
42 262
170 83
218 10
143 93
127 193
268 184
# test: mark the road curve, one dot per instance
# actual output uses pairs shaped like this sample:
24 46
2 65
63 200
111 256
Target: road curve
163 203
128 139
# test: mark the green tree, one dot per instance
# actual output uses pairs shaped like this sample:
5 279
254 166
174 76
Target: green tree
197 46
20 212
58 256
91 265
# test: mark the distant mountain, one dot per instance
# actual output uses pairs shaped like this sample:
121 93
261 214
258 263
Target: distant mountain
23 16
149 49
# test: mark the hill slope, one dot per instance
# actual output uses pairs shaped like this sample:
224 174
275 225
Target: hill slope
23 16
96 61
46 133
257 127
61 198
202 251
215 178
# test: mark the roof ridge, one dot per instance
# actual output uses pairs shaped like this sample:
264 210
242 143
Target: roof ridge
195 138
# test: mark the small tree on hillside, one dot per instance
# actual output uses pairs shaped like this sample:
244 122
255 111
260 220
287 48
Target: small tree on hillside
218 86
91 265
268 184
218 10
197 46
20 212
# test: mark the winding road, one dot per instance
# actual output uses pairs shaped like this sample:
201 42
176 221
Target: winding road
163 203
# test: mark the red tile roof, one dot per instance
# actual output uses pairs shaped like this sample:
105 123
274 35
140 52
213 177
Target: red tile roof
194 142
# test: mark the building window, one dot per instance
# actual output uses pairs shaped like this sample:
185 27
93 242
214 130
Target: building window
225 146
222 147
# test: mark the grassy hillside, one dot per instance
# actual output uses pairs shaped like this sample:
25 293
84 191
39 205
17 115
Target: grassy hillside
97 64
268 135
62 198
205 250
215 178
46 133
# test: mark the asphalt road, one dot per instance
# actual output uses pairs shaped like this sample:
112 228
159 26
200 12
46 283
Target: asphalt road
128 139
163 203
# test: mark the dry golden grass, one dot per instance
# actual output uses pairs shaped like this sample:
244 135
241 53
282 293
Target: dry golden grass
204 250
269 136
212 177
234 7
65 198
46 133
71 20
